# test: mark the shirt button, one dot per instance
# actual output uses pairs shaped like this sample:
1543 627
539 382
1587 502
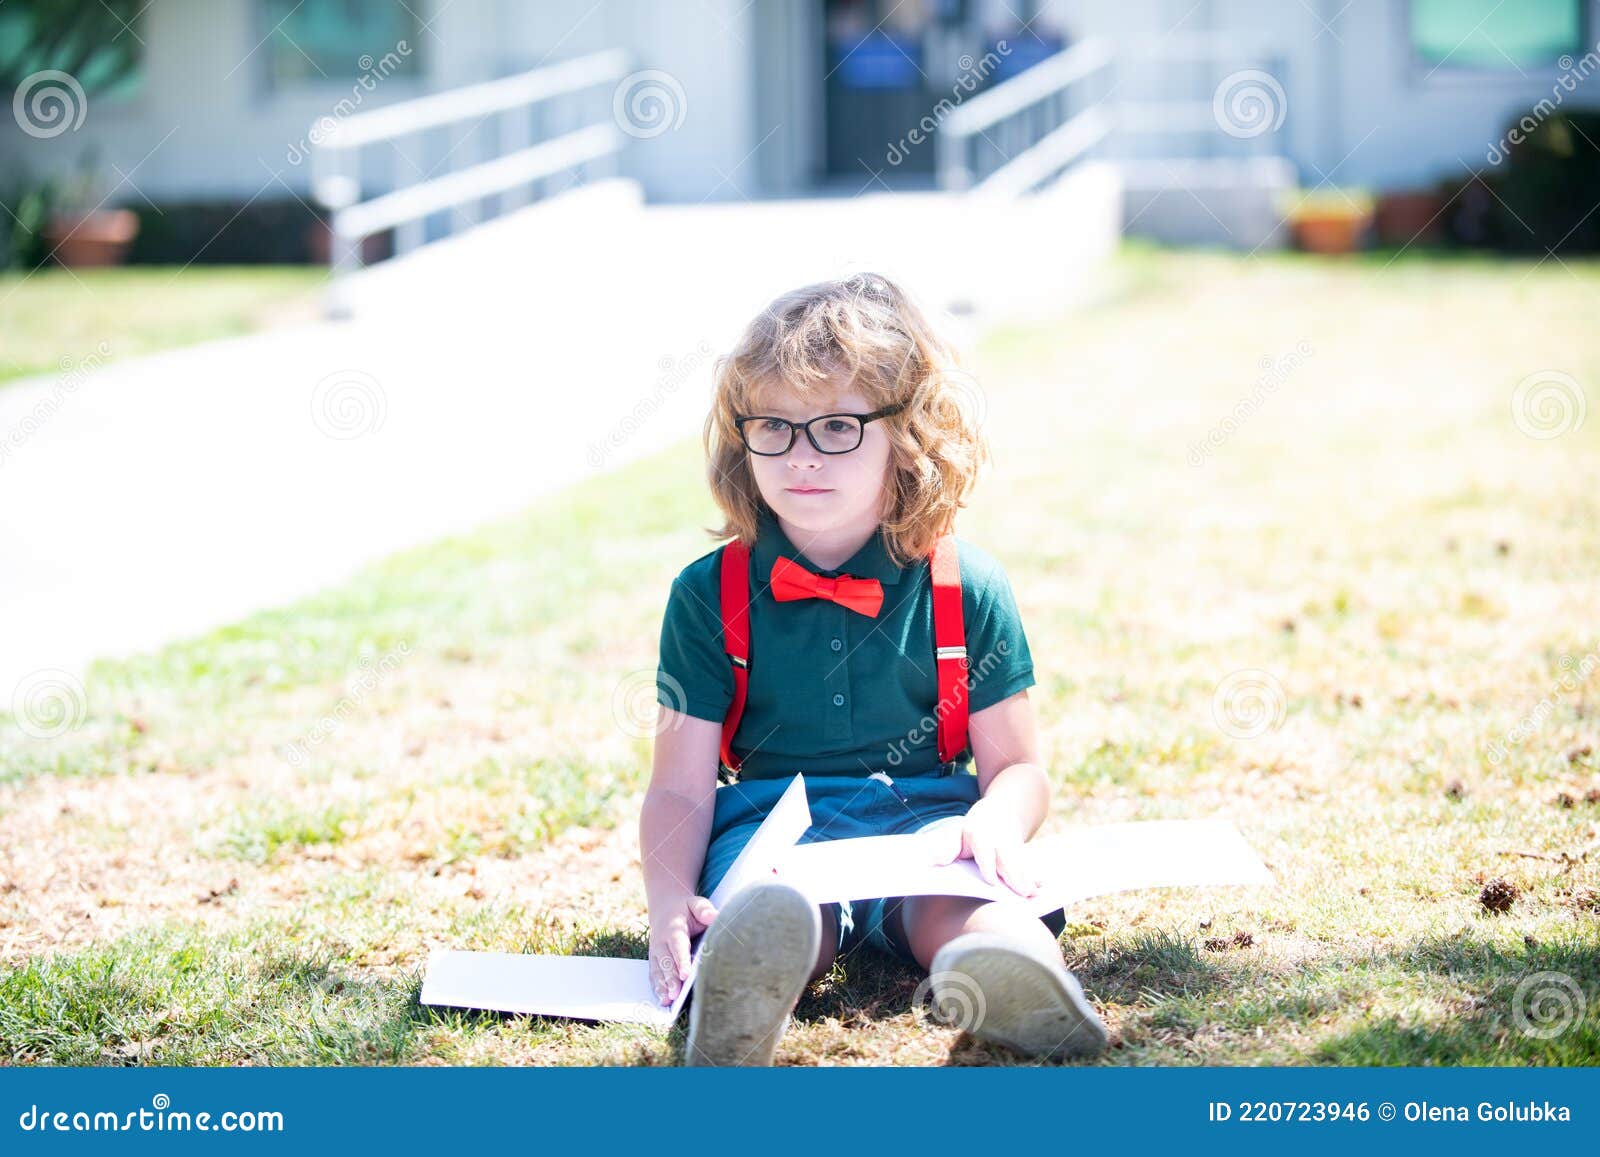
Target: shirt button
836 644
838 700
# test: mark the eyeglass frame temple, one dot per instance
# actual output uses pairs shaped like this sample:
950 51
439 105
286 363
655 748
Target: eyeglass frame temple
796 427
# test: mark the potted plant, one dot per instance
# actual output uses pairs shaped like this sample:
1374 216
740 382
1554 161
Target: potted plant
1408 216
1330 220
98 44
82 231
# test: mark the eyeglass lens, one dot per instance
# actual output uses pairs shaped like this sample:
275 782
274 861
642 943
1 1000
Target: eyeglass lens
834 434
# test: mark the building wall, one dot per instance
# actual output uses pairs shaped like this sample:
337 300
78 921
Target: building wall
1357 110
708 47
207 125
1422 126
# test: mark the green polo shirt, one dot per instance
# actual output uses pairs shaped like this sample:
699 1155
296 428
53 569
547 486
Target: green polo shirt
832 691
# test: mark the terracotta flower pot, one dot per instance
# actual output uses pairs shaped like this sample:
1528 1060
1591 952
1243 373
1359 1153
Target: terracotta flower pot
1330 232
101 237
1409 216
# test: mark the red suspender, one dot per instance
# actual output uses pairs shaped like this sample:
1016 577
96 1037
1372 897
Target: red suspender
949 648
735 638
949 644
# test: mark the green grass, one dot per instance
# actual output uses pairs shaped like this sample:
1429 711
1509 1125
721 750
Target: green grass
191 879
69 322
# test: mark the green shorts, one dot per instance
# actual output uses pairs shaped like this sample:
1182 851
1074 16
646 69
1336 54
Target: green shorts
845 807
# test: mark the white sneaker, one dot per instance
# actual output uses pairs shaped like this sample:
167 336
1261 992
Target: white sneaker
999 991
757 957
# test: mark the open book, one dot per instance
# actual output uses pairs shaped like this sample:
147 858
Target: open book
1076 864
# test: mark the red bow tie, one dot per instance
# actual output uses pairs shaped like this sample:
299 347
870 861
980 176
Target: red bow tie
792 581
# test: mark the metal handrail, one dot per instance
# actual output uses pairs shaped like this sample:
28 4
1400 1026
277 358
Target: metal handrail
1022 95
336 155
476 100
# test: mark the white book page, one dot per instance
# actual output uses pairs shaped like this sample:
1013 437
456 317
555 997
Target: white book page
586 987
1076 864
595 987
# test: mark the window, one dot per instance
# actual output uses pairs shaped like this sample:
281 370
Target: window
338 40
1486 34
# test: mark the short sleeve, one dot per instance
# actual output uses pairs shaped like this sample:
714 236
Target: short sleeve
1000 663
694 675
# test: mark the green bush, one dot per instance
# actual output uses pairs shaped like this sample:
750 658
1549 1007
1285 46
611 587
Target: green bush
22 227
1550 183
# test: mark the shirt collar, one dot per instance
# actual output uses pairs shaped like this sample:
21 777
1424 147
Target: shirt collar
871 561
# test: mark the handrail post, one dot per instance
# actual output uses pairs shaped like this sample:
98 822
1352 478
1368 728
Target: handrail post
336 183
950 150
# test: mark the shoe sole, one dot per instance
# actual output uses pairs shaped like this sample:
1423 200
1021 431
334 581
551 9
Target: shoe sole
758 956
1000 993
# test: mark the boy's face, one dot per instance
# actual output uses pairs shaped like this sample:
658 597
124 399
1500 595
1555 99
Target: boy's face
824 492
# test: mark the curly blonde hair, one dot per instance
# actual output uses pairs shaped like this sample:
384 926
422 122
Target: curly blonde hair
861 331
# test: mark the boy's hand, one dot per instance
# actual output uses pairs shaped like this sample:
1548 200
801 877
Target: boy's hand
992 841
669 945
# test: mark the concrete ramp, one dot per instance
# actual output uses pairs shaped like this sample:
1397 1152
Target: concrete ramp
169 494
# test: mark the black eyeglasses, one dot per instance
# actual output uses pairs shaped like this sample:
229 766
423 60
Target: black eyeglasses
771 436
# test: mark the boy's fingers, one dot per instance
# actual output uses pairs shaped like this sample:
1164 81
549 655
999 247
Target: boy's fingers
659 966
1013 870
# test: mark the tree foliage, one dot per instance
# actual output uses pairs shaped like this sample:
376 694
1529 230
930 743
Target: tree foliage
97 42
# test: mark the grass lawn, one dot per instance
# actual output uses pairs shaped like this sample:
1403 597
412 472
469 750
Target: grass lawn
201 873
56 319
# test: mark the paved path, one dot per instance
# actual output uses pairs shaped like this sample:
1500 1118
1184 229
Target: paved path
165 495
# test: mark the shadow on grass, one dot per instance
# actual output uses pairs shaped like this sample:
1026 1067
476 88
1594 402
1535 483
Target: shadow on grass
166 996
1538 1006
866 990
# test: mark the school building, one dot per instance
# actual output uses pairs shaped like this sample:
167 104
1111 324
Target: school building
1209 101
